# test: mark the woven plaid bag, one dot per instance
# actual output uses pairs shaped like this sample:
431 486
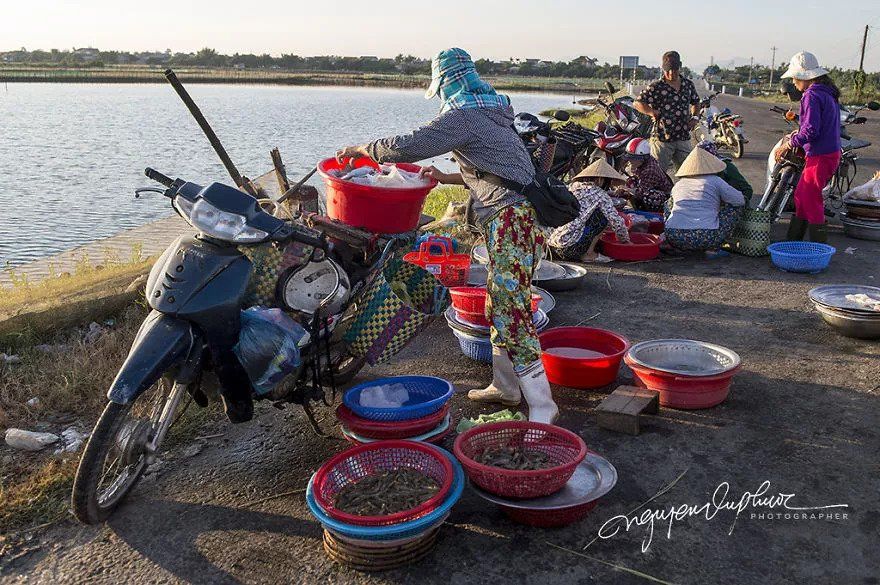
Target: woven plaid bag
751 236
396 307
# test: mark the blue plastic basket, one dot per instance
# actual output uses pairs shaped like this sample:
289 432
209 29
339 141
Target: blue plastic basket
396 531
476 348
797 256
427 395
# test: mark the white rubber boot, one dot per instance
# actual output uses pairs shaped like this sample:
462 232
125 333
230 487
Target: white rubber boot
505 384
536 388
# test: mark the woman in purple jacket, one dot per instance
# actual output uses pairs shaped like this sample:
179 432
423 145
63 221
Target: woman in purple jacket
819 136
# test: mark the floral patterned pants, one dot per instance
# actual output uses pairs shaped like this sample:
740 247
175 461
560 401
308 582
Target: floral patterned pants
514 242
704 239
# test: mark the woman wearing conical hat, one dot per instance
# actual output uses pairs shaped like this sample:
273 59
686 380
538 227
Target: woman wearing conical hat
577 240
703 208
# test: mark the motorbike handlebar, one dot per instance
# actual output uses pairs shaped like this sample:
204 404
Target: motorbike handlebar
155 175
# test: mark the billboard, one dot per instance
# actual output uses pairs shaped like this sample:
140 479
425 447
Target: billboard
629 62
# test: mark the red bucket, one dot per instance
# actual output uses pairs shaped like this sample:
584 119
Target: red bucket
641 247
375 209
685 392
583 372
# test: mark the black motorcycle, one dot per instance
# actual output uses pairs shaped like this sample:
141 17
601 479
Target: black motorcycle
184 348
569 144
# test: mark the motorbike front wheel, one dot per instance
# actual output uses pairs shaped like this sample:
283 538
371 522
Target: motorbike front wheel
734 142
123 443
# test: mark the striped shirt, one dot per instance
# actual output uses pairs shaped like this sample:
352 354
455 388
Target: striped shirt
480 139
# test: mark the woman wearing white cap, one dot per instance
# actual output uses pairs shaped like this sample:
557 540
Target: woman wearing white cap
819 136
703 208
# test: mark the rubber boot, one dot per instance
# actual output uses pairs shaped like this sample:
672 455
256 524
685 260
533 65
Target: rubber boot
505 384
797 227
818 232
536 388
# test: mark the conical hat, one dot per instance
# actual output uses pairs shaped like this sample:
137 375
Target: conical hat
600 168
700 162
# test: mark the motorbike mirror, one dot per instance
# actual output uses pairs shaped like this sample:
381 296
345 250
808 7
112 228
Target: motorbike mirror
860 120
561 115
609 87
787 88
873 106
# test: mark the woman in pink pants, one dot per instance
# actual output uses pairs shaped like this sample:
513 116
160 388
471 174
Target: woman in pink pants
819 136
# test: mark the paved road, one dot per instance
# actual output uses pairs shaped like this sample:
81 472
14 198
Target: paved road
803 414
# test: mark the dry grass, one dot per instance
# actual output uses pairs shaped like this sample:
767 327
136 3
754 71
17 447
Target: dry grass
85 274
35 493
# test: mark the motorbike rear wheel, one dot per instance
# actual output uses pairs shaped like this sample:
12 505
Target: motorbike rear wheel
735 142
123 443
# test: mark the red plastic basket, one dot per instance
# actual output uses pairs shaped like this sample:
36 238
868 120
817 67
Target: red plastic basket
449 268
365 460
549 518
375 209
469 303
564 447
403 429
641 247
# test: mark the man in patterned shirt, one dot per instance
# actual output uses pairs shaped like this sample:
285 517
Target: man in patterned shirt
674 104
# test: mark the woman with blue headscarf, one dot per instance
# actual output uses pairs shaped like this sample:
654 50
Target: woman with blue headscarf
476 125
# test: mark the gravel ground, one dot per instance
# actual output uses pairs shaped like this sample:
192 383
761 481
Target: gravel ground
803 414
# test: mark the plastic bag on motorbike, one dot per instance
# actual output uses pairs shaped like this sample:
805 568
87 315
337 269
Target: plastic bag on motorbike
268 346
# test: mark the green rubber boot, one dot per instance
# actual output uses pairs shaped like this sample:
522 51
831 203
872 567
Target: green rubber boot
818 232
797 228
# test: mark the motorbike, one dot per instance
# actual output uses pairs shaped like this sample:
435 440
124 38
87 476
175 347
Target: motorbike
784 171
184 350
721 126
623 123
570 143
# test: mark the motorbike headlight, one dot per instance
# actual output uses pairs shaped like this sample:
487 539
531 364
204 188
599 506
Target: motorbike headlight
222 224
183 206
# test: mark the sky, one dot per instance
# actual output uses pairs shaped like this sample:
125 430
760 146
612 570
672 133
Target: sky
547 29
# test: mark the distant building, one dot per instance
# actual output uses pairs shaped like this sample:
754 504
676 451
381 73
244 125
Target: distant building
86 54
369 58
14 56
586 61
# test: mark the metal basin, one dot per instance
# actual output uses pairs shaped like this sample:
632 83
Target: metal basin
850 326
684 357
833 296
574 277
861 230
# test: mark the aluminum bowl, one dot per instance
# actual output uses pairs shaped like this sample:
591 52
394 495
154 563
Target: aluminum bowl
575 275
859 229
833 296
684 357
849 326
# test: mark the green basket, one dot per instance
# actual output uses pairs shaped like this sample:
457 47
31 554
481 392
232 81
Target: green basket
751 235
397 306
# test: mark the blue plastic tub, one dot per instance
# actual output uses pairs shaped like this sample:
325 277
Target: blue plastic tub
795 256
427 395
395 531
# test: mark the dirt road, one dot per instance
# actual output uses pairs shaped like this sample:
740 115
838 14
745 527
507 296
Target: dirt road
803 414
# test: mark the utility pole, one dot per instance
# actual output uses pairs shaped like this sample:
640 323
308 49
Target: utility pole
864 42
751 68
772 67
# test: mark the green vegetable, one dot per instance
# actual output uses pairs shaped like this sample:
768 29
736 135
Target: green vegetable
500 416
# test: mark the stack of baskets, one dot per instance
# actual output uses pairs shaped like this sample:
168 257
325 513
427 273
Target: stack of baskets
466 318
423 417
556 495
375 543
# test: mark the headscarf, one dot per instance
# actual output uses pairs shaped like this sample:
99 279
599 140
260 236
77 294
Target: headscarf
712 148
455 79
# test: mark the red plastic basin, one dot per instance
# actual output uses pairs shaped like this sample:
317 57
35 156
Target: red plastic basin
469 303
583 372
641 247
375 209
685 392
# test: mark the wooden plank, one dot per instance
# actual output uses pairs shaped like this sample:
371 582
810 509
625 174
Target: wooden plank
621 410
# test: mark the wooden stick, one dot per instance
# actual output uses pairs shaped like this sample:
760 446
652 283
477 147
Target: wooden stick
209 132
280 171
275 497
613 565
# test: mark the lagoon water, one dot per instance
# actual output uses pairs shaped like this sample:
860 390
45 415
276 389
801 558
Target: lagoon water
72 154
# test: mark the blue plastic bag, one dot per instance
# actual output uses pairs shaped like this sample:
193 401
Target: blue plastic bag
268 346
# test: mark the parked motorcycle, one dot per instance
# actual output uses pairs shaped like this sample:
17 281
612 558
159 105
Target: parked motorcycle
623 124
784 171
721 126
570 143
184 349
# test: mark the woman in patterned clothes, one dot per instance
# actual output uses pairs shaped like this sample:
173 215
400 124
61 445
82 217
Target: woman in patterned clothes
476 124
576 240
649 185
